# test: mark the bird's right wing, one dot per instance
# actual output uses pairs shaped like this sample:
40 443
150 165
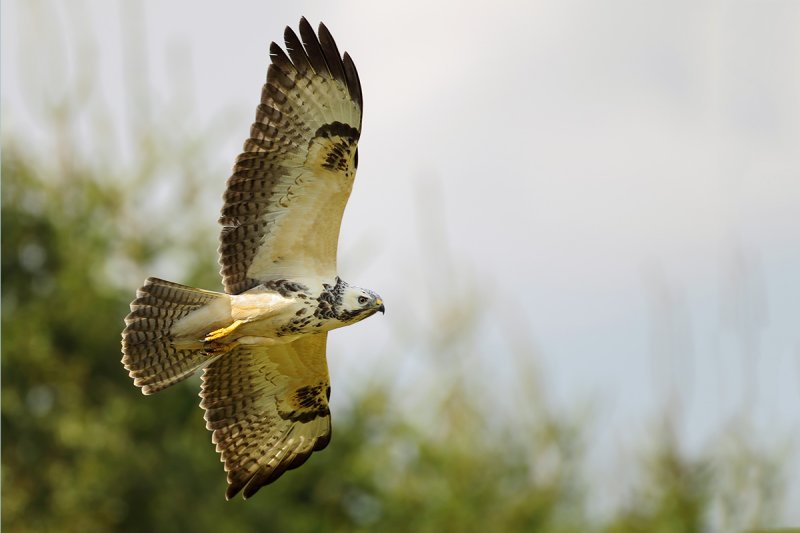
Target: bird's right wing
268 409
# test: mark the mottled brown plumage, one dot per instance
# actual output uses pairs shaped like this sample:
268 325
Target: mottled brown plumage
152 358
258 406
284 201
262 342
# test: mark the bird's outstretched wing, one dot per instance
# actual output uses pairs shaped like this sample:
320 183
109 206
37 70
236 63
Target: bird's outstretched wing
285 200
268 409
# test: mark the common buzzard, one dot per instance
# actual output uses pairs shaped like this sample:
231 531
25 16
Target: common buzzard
261 343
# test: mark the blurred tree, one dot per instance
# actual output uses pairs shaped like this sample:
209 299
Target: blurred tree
675 495
83 450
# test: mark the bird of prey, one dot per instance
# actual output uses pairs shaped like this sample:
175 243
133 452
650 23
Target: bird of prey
261 343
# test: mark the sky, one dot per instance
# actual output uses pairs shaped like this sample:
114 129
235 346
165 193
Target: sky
622 178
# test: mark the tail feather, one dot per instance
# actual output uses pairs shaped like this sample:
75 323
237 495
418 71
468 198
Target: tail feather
153 354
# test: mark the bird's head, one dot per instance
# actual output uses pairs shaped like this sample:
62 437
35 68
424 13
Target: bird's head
357 304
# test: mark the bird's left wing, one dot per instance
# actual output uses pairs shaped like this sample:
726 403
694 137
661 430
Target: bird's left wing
285 200
268 409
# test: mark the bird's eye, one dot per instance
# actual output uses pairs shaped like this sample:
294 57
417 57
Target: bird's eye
362 300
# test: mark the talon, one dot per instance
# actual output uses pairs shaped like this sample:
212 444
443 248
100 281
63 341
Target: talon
222 332
216 349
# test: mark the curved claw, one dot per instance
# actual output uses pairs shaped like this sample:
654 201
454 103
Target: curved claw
216 349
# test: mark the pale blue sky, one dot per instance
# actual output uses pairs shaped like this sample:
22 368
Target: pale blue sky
624 175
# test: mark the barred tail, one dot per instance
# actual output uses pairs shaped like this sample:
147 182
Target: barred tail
162 343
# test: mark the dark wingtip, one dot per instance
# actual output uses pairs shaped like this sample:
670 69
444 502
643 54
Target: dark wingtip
331 53
303 24
318 52
232 491
314 51
250 491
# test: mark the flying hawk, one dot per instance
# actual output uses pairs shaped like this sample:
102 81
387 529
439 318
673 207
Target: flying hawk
261 343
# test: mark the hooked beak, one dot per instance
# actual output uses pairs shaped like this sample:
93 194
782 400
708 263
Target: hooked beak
382 307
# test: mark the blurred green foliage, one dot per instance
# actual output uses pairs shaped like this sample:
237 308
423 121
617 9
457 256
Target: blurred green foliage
83 450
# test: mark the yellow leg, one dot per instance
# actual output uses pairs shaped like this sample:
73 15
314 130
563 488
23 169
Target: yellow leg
222 332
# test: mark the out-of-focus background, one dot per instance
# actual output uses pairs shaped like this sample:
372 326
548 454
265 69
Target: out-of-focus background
584 218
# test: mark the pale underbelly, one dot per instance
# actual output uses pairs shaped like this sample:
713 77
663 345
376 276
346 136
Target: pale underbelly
253 340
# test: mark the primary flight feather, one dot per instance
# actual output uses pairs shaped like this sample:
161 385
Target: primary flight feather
262 342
